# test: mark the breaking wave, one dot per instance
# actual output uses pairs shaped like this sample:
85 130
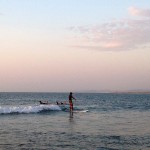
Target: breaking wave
28 109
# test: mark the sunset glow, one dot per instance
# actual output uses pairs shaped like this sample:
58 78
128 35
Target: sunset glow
61 46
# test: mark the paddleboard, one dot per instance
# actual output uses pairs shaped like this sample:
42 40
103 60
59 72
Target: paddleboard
80 111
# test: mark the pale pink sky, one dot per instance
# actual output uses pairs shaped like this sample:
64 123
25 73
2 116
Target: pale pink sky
110 55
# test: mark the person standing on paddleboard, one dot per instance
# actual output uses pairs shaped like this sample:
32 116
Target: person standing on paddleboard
70 101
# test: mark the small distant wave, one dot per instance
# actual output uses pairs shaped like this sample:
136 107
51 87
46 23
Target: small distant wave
26 109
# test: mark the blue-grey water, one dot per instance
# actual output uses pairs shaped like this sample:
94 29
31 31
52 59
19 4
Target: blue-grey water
113 122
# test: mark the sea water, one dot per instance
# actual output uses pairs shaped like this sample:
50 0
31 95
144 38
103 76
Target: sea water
113 122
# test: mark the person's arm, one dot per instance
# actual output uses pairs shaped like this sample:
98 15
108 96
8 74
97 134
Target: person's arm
73 98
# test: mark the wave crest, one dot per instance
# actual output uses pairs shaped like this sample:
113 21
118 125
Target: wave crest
28 109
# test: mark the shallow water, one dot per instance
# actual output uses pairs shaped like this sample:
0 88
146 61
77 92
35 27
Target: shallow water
114 122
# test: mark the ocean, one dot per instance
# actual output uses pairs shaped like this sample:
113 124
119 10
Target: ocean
112 122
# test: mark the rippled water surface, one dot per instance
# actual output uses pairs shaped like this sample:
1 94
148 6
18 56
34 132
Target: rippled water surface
113 122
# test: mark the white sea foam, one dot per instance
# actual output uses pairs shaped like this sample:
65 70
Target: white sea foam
27 108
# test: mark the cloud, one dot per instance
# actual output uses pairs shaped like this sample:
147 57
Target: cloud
139 12
116 35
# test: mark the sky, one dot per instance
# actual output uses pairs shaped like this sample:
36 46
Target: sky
80 45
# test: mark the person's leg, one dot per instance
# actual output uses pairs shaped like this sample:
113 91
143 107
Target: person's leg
71 107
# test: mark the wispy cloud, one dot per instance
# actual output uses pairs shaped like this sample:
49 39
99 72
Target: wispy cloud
116 35
139 12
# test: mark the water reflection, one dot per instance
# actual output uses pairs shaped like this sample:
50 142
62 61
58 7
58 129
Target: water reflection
71 116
